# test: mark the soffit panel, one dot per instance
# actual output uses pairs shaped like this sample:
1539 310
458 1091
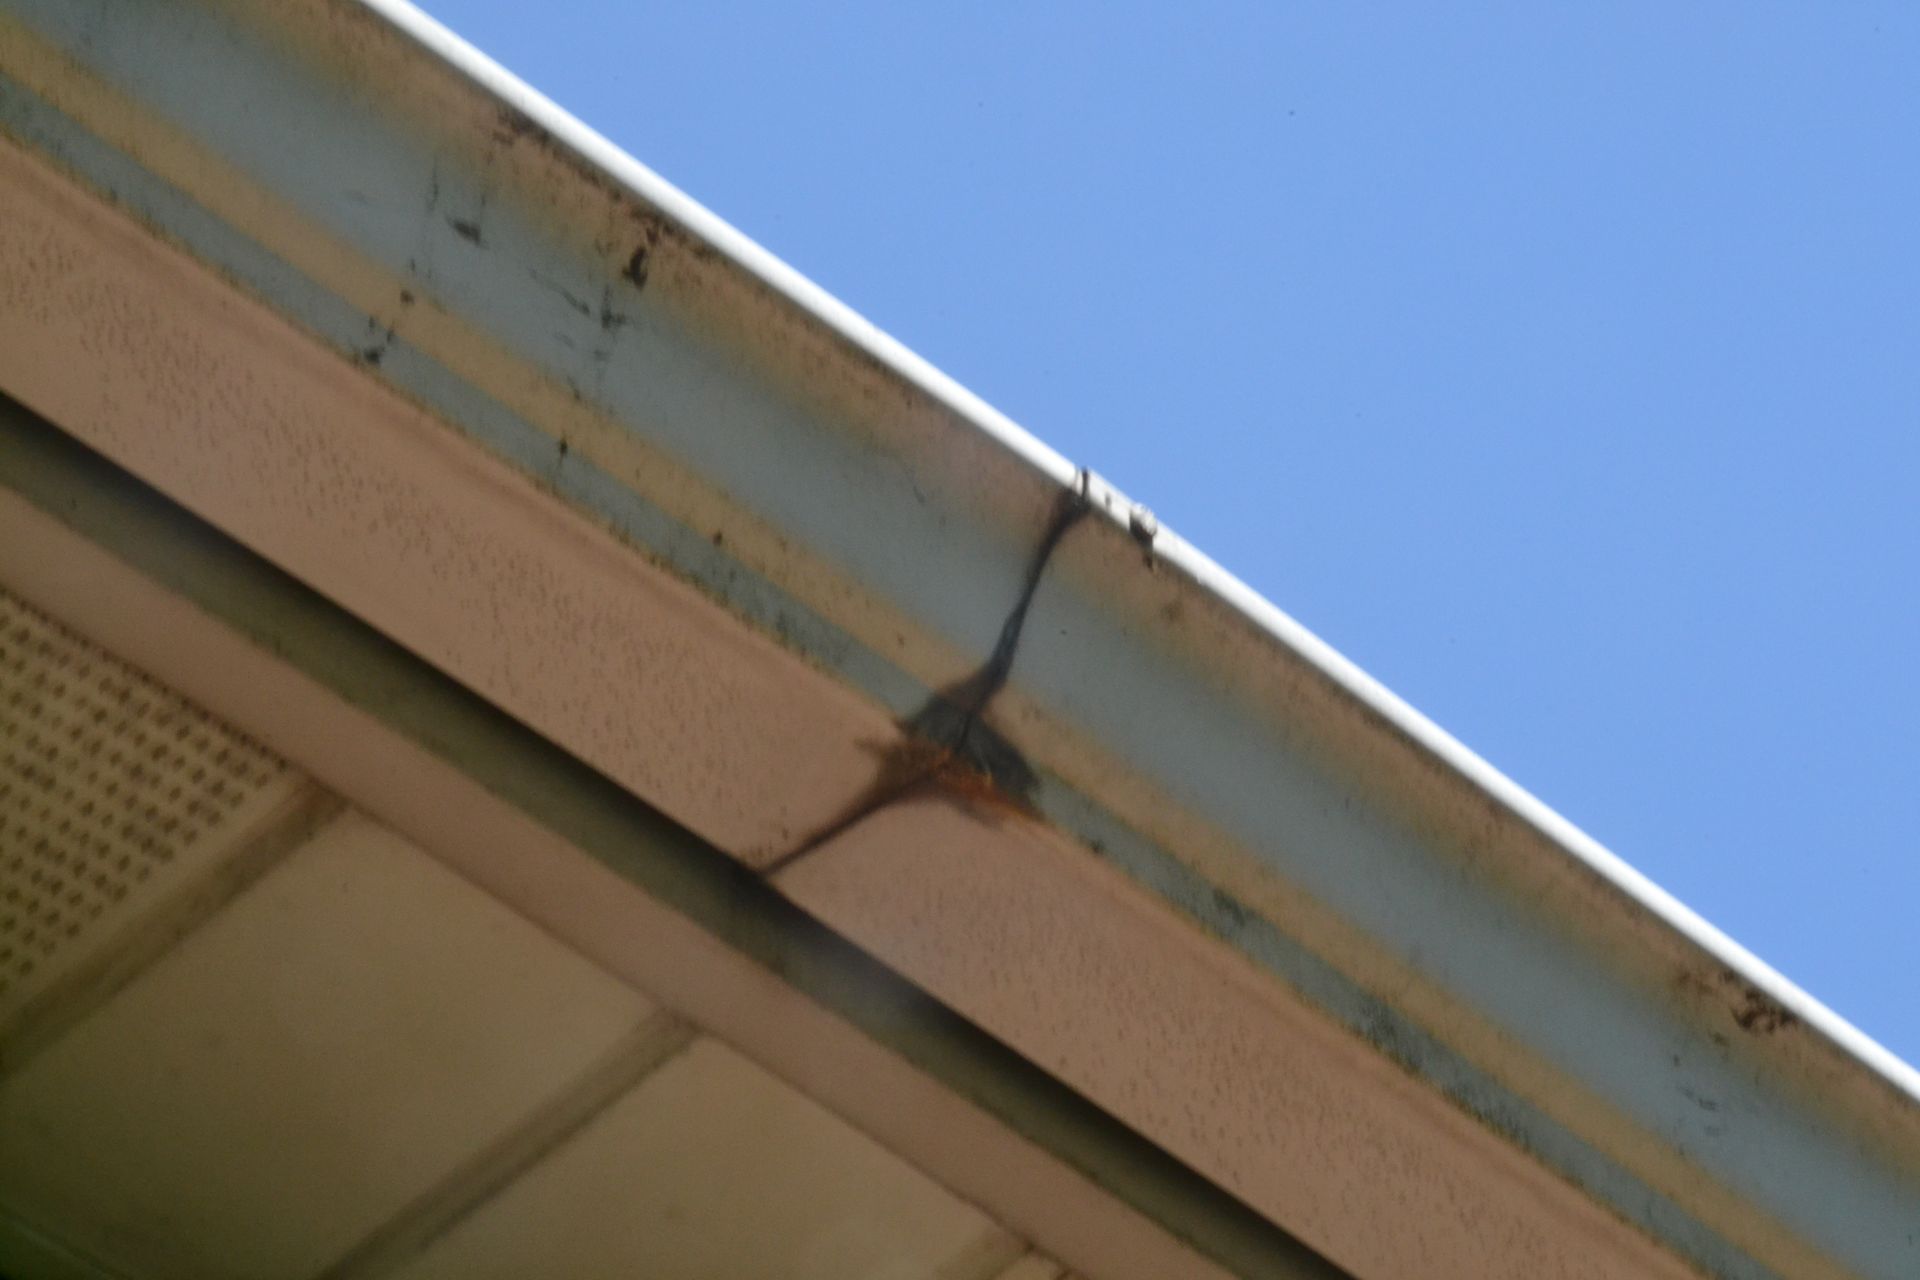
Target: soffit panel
117 798
711 1167
322 1051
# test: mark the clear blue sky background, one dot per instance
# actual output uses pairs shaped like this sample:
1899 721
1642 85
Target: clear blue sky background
1560 365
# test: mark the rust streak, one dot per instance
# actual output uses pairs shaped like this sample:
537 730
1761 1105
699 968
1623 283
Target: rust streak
947 747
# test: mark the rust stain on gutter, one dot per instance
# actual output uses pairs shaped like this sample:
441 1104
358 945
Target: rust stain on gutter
946 746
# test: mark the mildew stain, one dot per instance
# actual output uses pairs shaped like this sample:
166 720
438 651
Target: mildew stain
376 351
636 269
1752 1010
1760 1014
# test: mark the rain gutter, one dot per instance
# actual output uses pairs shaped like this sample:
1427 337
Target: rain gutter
460 242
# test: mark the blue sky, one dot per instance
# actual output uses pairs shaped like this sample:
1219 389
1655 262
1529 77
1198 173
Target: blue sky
1560 366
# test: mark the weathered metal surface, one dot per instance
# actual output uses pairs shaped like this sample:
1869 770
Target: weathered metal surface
621 353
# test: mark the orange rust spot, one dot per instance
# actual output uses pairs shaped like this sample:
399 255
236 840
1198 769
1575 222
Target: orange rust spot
974 788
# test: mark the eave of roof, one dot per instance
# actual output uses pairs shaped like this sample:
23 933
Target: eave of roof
479 255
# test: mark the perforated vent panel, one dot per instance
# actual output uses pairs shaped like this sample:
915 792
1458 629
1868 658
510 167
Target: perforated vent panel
110 786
